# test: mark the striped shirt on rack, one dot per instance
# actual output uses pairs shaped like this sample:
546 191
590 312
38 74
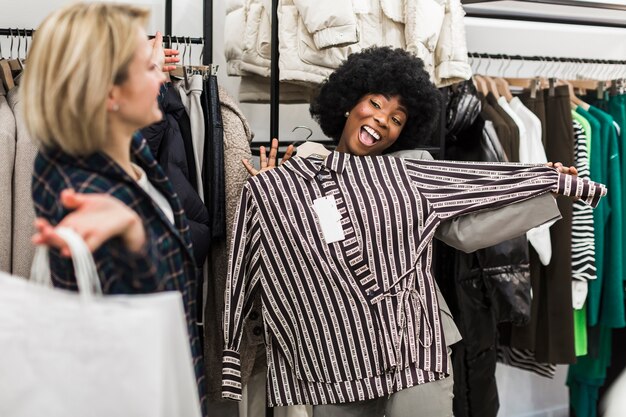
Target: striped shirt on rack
358 318
583 236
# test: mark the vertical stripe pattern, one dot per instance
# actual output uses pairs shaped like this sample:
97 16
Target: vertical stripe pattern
583 237
358 318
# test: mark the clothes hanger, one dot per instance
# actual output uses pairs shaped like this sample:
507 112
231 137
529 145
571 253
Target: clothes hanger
15 63
501 84
563 79
185 70
6 75
204 70
20 60
491 85
179 71
574 98
539 82
616 83
605 83
589 79
479 81
480 84
310 148
521 82
548 80
525 83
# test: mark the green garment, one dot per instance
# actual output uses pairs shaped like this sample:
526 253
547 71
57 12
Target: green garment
611 291
587 128
598 172
617 109
587 375
580 331
605 301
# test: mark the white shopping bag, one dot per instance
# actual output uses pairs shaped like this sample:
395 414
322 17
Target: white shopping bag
67 354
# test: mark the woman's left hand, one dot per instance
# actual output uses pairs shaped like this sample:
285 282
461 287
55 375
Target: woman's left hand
163 56
563 169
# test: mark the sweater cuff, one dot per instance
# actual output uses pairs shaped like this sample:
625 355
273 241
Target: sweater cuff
588 191
336 36
231 375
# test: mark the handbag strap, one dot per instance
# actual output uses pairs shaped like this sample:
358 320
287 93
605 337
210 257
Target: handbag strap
84 266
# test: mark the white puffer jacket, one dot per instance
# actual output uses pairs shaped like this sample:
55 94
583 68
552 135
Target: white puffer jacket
316 36
435 32
304 58
234 25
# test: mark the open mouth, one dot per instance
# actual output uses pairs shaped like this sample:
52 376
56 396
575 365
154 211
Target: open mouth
368 136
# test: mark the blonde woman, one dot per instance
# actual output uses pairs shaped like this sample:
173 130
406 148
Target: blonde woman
92 81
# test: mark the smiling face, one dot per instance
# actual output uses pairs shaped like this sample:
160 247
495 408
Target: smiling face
373 125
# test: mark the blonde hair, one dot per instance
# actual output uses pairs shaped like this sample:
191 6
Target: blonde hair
79 52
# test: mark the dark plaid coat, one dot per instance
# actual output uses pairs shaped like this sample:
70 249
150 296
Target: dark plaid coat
167 263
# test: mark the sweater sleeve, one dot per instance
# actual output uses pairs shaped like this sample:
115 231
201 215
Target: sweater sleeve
244 272
455 188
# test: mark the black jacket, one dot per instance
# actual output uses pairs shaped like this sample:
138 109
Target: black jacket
483 288
170 143
504 267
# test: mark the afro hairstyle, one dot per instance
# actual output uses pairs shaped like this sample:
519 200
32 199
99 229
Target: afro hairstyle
380 70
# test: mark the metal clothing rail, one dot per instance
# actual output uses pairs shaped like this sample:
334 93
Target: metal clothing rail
547 59
181 39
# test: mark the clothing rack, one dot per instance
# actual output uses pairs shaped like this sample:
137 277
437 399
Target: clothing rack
207 30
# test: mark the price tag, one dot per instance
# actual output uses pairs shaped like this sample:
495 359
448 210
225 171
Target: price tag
329 218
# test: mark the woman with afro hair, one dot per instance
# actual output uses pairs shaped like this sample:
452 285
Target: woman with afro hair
384 81
381 101
376 78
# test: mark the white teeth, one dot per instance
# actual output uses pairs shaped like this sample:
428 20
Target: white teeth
372 132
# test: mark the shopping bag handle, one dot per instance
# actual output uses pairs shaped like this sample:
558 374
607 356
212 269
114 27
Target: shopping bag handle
84 265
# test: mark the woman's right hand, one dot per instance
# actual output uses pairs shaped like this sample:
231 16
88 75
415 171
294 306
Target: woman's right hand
96 218
268 162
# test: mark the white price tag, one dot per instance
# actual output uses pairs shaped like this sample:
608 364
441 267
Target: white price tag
329 218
